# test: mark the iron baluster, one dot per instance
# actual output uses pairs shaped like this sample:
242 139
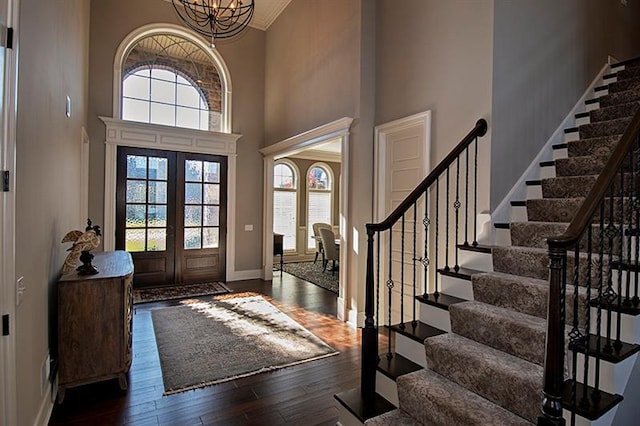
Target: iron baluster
456 206
617 344
475 195
584 401
415 220
446 227
437 232
390 286
609 294
402 276
425 258
595 394
466 200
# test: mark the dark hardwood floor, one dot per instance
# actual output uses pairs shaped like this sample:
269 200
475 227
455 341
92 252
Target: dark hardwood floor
297 395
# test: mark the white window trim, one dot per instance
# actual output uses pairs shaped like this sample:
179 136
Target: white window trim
329 171
297 175
165 28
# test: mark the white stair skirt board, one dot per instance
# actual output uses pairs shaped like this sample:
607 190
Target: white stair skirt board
411 350
475 260
582 120
503 237
519 213
534 192
630 326
458 287
387 388
571 136
560 153
435 317
613 377
605 420
345 417
591 107
547 172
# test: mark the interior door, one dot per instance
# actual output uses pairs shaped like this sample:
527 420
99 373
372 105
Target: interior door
146 213
171 215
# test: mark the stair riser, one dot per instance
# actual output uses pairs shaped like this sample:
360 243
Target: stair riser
435 317
613 377
630 326
502 237
571 136
387 388
476 260
346 417
560 153
605 420
534 192
457 287
519 214
410 349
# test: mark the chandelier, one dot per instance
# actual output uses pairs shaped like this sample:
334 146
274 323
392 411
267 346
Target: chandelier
215 19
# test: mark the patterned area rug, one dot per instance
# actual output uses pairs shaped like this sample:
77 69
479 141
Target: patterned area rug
178 292
312 273
204 342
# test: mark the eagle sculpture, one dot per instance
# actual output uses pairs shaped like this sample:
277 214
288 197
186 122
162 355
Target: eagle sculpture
83 243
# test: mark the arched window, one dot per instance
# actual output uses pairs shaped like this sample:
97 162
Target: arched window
285 203
319 198
169 80
162 96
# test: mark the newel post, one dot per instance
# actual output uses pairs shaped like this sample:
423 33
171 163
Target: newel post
369 332
554 356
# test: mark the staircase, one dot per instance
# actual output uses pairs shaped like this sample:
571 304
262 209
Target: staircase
479 350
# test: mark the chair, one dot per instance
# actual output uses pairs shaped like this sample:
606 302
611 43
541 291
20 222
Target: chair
317 238
331 249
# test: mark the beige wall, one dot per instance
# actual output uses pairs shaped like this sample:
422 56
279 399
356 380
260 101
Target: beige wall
319 68
438 58
111 21
53 62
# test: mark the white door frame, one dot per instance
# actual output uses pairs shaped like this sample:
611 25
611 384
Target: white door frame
421 121
306 140
8 379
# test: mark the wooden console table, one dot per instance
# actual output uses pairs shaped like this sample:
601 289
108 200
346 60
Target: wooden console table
95 314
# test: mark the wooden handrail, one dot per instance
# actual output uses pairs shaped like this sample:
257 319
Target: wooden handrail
479 130
599 191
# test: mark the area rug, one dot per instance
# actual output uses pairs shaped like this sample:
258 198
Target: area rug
178 292
203 342
312 272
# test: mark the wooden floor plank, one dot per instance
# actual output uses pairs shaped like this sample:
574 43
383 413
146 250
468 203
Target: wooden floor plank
300 395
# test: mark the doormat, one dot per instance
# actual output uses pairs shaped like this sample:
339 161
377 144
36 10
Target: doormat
178 292
202 343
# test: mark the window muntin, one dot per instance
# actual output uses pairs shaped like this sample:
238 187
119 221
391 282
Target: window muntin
319 199
160 96
285 204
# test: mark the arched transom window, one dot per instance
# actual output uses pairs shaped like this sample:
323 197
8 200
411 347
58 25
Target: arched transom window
169 80
319 198
285 203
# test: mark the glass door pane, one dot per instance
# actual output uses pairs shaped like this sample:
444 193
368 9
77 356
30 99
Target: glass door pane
201 204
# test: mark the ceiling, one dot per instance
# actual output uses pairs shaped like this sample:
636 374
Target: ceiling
266 12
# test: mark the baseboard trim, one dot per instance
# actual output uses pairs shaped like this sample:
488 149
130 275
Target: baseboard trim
502 213
245 275
46 408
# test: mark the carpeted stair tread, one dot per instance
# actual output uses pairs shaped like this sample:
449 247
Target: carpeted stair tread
624 84
553 209
534 262
513 332
613 112
535 234
604 128
568 187
434 400
395 417
620 97
523 294
506 380
628 73
595 146
578 166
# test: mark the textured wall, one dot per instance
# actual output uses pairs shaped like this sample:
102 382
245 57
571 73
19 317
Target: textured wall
53 63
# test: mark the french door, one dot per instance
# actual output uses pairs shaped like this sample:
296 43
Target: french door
171 215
